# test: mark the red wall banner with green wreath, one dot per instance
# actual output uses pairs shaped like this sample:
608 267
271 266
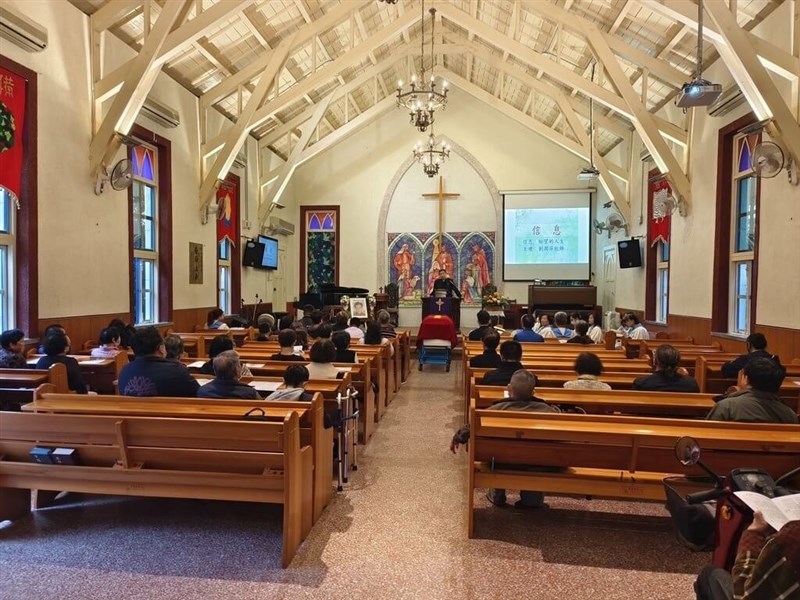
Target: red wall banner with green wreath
12 123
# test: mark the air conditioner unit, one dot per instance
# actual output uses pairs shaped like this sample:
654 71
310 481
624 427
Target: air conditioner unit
729 100
280 226
22 31
160 113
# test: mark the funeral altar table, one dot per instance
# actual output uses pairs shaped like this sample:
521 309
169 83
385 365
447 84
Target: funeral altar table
450 307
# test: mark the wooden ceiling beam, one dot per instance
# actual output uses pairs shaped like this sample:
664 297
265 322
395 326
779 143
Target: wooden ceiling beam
236 135
177 41
307 34
114 11
685 11
762 94
139 80
644 121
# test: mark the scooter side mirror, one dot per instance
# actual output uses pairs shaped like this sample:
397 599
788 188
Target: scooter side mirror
687 451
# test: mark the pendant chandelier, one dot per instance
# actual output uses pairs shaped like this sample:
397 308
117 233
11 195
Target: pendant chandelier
431 157
423 99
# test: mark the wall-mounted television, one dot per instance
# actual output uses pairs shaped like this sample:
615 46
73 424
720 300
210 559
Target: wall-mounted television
269 258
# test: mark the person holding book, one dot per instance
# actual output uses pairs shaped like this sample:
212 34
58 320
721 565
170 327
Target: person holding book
767 566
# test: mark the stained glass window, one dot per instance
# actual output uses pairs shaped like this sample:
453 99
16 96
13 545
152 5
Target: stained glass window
744 155
321 221
143 162
144 196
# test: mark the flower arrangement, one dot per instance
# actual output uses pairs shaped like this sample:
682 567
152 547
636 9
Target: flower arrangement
494 299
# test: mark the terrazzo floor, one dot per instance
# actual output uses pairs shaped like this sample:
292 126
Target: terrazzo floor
397 532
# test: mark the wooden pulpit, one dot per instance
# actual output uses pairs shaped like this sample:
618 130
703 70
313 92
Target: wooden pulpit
450 307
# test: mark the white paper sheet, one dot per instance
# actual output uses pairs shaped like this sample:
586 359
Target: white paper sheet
196 364
265 386
777 511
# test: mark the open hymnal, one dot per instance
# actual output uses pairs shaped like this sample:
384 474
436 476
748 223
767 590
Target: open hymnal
196 364
777 511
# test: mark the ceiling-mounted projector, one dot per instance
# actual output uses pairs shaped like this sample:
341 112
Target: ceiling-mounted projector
588 174
698 92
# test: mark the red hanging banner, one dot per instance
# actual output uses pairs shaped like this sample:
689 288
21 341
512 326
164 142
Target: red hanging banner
227 212
13 89
660 201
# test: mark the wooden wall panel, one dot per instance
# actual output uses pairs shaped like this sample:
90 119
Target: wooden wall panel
184 320
80 329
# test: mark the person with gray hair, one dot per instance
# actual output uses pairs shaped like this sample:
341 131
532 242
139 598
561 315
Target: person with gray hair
520 397
174 345
385 321
560 329
228 371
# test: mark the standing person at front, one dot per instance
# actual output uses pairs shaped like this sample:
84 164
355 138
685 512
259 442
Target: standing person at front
56 348
669 376
152 373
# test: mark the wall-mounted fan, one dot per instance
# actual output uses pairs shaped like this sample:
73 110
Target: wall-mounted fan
613 222
769 159
120 178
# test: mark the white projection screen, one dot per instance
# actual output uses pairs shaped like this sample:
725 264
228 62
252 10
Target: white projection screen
547 235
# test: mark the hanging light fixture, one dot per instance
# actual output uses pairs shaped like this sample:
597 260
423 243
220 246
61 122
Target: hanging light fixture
423 99
431 157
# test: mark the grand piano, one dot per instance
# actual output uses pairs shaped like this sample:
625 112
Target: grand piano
329 295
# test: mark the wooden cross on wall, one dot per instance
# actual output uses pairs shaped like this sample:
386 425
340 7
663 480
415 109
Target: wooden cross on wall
441 196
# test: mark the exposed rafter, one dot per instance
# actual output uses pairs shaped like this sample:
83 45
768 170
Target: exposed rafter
235 136
644 122
138 82
761 92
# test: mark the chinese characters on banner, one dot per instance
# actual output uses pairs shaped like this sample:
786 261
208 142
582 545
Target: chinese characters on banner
659 191
12 125
228 211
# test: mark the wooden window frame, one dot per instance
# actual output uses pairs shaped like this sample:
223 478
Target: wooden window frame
163 228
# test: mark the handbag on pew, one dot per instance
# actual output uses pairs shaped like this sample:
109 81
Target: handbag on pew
255 414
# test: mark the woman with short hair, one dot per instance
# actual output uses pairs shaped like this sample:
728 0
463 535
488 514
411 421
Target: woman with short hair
588 367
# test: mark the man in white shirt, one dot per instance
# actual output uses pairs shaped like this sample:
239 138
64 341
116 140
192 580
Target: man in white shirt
355 331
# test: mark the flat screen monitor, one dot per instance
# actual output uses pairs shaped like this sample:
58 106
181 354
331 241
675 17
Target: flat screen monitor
269 259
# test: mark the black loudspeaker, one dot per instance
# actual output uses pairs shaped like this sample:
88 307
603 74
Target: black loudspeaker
630 254
253 251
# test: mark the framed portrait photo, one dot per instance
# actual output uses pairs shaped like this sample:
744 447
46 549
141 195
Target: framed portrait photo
359 308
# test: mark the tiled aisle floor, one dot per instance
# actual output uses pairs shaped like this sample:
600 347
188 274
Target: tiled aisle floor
397 532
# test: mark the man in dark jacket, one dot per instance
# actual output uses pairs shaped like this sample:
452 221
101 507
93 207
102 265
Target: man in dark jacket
757 399
489 359
756 348
341 339
669 376
520 397
152 374
511 355
484 325
228 371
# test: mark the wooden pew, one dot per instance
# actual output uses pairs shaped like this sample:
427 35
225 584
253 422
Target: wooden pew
162 457
708 372
612 456
239 334
12 399
310 414
32 378
599 402
100 374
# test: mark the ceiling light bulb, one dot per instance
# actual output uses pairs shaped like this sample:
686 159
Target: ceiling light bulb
413 79
444 84
399 83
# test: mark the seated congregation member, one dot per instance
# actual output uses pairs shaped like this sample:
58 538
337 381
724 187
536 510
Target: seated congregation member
633 328
669 376
287 338
264 332
489 358
306 320
588 367
374 337
316 322
228 372
152 373
109 344
322 355
339 321
294 381
11 348
218 345
581 334
173 344
266 319
214 320
56 348
484 325
520 397
126 332
527 334
511 355
385 321
756 400
542 322
756 348
355 331
767 566
301 333
50 330
341 339
595 330
560 329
